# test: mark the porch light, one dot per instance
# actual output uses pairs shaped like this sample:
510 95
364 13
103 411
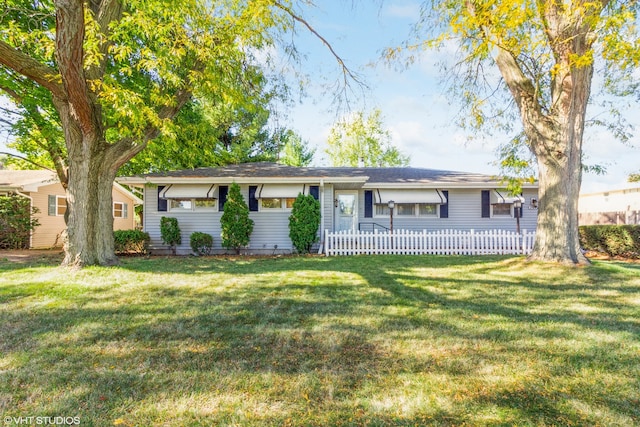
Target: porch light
534 203
391 204
517 205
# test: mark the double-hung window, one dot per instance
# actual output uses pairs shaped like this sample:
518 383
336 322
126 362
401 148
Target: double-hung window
120 210
57 205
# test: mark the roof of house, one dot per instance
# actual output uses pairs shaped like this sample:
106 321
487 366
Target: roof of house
32 180
26 180
272 172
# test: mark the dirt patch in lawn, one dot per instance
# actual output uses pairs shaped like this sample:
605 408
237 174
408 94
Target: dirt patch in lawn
32 255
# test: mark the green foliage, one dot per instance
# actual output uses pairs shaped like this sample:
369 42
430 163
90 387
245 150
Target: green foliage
614 240
295 151
235 222
201 243
634 177
304 223
170 232
363 139
131 241
16 222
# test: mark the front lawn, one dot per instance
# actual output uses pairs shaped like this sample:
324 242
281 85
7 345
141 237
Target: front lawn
314 341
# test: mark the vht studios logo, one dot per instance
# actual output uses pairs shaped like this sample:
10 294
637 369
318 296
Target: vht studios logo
43 421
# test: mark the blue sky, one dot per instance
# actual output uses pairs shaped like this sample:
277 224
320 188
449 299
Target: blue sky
413 102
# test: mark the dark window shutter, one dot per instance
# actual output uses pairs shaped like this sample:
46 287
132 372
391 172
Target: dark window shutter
314 190
520 210
253 202
125 211
368 204
486 204
444 208
223 190
52 205
162 203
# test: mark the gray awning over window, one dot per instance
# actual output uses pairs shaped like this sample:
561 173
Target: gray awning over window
500 197
278 191
190 191
409 196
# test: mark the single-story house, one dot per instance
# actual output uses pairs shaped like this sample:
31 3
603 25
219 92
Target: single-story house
610 207
46 193
350 199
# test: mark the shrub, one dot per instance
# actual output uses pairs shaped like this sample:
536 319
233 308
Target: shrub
235 222
16 222
170 232
201 243
304 223
131 241
614 240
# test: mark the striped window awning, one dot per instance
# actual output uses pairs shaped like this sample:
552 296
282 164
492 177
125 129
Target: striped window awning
278 191
498 197
190 191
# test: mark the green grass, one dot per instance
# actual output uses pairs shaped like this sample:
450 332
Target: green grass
311 341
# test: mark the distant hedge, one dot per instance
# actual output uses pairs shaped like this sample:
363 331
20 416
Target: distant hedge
614 240
131 241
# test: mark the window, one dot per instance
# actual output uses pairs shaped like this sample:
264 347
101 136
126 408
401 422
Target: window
57 205
409 210
269 203
501 209
193 204
120 210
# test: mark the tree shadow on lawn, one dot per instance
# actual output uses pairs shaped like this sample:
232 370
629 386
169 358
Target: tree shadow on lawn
324 353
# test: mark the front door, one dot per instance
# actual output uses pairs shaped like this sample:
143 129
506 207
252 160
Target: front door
346 211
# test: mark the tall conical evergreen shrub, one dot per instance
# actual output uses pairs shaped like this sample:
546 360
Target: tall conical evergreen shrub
304 223
235 222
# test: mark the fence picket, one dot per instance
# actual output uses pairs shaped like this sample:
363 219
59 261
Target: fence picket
437 242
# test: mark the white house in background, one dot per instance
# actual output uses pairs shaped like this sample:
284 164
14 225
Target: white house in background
45 192
350 199
610 207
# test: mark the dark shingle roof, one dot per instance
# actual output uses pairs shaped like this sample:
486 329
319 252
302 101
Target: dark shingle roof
400 175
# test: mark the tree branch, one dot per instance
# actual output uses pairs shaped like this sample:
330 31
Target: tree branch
26 160
23 64
346 71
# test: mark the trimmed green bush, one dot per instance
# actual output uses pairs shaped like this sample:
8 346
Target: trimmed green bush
16 222
131 241
201 243
235 222
170 232
614 240
304 223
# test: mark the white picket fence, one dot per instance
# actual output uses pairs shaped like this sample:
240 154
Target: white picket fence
436 242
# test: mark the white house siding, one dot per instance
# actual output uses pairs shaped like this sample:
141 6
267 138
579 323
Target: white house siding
270 230
465 213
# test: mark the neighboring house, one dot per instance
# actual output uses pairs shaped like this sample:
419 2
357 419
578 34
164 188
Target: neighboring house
350 199
610 207
47 195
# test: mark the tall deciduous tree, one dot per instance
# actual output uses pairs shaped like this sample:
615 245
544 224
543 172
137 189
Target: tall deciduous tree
362 139
545 53
295 151
117 72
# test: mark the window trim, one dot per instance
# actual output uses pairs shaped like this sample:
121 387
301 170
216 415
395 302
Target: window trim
193 208
511 211
283 204
58 206
124 210
416 211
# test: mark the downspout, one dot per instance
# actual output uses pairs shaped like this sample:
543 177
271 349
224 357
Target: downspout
322 232
30 213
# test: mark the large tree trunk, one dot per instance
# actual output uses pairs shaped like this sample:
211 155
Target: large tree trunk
557 237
